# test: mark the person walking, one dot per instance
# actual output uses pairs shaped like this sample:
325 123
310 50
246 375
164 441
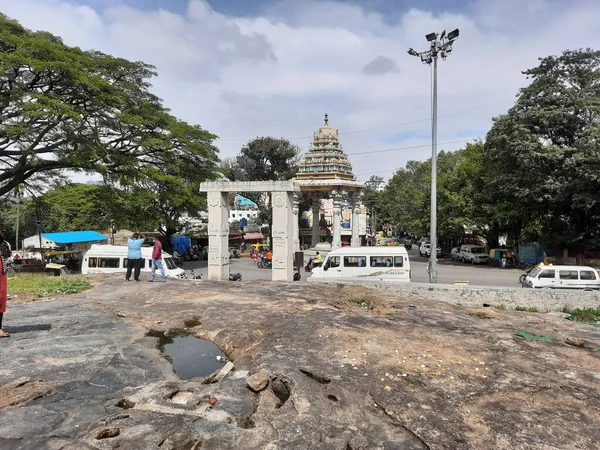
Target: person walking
5 253
134 256
157 260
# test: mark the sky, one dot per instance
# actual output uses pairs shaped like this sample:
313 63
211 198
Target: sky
248 68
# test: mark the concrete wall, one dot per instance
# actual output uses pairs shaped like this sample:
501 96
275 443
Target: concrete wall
476 296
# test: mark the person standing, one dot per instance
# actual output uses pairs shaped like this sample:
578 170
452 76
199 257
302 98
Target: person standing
5 254
157 260
134 256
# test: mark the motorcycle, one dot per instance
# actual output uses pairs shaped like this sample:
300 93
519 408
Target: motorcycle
235 276
312 263
234 253
264 263
528 268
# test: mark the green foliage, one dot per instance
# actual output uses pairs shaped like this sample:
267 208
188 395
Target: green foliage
406 199
44 286
65 108
264 159
542 156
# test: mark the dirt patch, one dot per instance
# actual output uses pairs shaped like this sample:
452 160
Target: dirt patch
23 390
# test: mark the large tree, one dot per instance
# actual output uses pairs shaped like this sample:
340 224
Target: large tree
65 108
542 157
264 159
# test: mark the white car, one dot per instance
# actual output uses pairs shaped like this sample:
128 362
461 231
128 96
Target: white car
475 254
425 249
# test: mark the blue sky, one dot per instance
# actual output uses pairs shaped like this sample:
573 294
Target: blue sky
248 68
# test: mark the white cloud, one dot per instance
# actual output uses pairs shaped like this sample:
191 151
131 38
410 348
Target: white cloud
279 73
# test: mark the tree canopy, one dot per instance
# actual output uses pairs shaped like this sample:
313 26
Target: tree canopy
65 108
542 157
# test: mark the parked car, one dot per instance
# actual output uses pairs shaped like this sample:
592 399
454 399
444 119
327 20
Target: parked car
455 253
425 249
475 254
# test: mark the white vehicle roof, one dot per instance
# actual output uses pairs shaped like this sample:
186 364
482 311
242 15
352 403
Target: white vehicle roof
547 266
118 250
377 250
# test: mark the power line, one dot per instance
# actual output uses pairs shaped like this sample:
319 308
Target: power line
386 126
409 148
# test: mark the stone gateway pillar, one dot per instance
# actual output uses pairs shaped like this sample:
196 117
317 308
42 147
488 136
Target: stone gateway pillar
218 236
337 222
296 211
316 209
283 236
355 241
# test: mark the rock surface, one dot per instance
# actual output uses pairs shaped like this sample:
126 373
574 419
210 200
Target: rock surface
340 376
258 381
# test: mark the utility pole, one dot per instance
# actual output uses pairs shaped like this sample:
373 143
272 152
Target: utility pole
439 46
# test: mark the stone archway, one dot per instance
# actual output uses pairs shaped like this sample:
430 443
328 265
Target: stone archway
285 224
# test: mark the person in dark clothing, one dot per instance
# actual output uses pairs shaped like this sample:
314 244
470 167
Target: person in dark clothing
134 256
5 254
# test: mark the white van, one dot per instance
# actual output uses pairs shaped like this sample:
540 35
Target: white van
475 254
369 263
113 259
563 277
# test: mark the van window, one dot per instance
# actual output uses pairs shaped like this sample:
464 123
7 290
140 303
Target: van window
334 261
109 263
92 262
355 261
568 274
587 275
381 261
398 261
547 274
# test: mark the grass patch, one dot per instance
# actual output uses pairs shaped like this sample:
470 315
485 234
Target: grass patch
501 307
43 285
587 315
361 301
528 309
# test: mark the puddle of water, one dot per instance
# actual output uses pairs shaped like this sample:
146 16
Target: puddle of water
191 357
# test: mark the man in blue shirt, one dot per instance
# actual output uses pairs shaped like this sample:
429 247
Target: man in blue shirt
134 256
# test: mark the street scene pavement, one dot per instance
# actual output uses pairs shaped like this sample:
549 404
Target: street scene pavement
449 272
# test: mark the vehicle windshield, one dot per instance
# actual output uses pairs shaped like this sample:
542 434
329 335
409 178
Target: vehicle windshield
478 250
170 263
535 272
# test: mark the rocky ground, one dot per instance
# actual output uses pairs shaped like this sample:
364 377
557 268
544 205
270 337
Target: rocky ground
335 368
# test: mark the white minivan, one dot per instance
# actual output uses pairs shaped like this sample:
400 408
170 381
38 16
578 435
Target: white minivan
113 259
563 277
475 254
369 263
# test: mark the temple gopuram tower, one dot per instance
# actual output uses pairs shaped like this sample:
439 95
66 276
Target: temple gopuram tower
325 169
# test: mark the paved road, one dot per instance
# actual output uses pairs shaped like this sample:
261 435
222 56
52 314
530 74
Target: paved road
448 272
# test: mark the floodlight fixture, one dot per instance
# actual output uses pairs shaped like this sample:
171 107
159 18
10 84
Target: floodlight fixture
442 35
431 37
453 35
411 52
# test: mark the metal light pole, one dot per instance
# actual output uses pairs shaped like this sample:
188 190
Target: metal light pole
439 46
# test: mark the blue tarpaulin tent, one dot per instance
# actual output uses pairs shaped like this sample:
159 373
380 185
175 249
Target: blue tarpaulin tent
74 237
181 243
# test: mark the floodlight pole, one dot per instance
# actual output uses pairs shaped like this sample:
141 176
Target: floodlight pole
440 45
433 226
